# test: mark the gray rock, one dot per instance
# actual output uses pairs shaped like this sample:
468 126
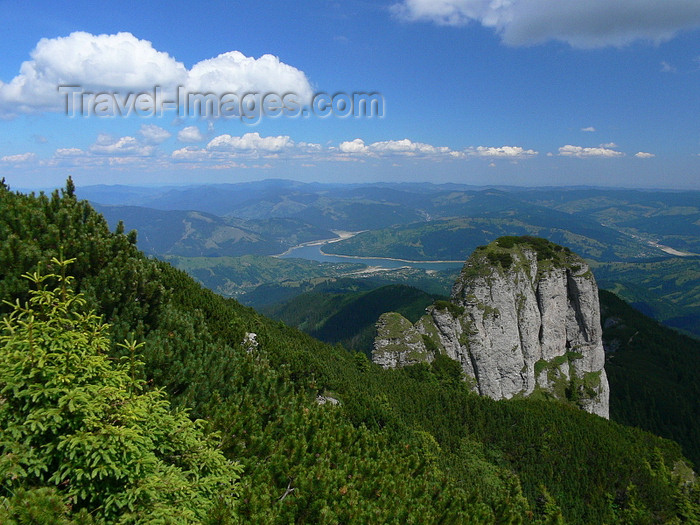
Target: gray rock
531 327
398 343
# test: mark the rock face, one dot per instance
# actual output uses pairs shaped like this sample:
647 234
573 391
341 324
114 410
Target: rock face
523 319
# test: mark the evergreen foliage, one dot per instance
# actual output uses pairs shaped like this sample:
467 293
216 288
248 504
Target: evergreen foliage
349 318
653 372
80 432
403 446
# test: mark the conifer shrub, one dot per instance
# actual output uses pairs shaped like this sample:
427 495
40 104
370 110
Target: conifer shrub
82 436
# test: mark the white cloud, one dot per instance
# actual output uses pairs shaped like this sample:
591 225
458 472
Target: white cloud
409 148
309 146
512 152
580 23
222 149
589 129
644 155
190 154
253 145
122 63
233 72
20 158
120 147
667 68
250 142
581 152
609 145
69 152
403 147
153 134
354 146
190 134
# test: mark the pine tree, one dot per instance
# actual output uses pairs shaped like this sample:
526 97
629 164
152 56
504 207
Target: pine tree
85 431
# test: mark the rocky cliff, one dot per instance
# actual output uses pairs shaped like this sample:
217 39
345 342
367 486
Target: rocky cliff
523 320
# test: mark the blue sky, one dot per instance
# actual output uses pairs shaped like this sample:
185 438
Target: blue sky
521 92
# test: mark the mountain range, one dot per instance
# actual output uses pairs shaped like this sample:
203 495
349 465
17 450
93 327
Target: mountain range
640 244
322 434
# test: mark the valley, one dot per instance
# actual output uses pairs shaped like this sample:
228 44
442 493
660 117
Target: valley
265 388
285 237
402 262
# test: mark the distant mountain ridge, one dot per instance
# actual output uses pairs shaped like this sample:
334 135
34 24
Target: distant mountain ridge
424 221
201 234
412 444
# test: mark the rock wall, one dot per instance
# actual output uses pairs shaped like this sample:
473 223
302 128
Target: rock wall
523 319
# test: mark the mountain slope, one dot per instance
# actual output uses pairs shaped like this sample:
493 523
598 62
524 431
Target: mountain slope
200 234
653 373
652 370
348 318
455 239
386 452
667 290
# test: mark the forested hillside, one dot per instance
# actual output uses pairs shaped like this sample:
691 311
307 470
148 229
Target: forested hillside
653 373
348 316
402 446
652 369
200 234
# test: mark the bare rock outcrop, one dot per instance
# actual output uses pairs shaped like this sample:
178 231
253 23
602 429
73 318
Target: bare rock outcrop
523 320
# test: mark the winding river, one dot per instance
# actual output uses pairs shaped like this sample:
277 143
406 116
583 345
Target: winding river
313 251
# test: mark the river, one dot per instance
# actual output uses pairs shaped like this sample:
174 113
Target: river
313 252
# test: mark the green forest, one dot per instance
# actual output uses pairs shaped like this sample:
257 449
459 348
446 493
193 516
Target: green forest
131 394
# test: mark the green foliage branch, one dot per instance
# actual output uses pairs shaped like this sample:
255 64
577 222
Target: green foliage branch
81 430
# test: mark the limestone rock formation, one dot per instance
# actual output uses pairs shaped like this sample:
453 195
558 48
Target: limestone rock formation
398 343
523 319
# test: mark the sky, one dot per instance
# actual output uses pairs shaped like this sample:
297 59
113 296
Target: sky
485 92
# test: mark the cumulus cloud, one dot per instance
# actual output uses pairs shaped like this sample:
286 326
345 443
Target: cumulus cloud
403 147
644 155
190 154
120 147
354 146
580 23
409 148
122 63
512 152
233 72
20 158
589 129
581 152
69 152
251 145
190 134
153 134
250 142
